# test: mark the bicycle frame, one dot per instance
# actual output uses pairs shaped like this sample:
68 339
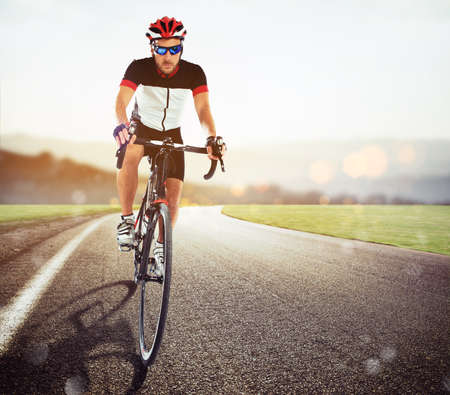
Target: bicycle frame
155 194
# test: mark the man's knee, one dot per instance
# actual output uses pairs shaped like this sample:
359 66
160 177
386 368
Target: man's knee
173 200
133 156
174 188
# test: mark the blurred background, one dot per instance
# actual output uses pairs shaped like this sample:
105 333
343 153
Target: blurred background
318 101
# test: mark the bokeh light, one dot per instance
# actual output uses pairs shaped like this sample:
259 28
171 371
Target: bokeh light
75 385
321 172
373 366
237 190
36 354
79 197
371 161
406 154
262 188
388 354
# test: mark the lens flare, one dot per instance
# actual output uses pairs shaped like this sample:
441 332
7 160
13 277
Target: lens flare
371 161
79 197
388 354
75 385
373 366
261 188
377 161
237 190
37 354
406 154
321 172
354 165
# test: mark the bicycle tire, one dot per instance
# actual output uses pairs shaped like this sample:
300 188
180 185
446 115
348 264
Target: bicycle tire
154 298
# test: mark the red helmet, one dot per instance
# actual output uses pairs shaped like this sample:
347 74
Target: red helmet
166 28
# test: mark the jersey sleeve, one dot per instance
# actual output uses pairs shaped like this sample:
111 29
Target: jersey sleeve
132 76
199 84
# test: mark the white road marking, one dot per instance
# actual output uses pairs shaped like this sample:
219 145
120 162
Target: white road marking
14 314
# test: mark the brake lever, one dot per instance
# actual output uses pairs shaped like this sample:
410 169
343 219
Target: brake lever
218 152
120 153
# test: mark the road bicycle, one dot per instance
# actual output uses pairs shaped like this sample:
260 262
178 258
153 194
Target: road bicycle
153 223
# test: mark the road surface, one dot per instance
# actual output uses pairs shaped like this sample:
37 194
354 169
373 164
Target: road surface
253 309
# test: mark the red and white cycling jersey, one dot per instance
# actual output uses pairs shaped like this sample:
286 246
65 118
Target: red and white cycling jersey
160 98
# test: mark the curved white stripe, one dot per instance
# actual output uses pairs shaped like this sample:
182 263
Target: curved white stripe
14 314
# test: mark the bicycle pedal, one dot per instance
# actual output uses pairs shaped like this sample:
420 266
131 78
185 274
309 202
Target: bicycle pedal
125 247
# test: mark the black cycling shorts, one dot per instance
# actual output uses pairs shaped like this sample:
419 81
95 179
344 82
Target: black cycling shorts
176 165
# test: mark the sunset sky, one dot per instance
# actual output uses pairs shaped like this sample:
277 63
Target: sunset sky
286 70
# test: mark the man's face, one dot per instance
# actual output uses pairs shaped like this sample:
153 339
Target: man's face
168 62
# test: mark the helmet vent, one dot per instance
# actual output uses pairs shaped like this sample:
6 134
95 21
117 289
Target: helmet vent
156 30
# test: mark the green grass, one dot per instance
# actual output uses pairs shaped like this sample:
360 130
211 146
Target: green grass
27 212
420 227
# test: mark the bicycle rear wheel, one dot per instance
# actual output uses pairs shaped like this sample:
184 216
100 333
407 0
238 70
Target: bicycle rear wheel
155 289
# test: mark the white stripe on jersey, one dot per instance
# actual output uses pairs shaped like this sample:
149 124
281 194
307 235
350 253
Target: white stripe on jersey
153 109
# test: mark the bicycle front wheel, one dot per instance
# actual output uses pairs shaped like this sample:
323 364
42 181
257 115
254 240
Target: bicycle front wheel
155 288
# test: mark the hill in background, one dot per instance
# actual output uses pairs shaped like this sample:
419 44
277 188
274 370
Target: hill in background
45 179
381 170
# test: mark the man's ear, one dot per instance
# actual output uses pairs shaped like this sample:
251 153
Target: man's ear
151 47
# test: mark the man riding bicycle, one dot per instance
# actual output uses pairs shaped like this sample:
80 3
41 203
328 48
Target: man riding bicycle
161 83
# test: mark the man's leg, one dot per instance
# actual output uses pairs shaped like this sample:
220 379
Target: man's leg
174 187
127 177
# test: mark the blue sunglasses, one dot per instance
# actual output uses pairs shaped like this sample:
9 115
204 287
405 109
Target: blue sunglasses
163 50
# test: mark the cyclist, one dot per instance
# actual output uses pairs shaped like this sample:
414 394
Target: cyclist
161 83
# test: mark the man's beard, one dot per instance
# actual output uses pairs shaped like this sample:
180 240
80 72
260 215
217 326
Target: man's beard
163 64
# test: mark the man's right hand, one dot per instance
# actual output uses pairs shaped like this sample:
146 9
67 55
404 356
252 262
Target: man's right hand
122 135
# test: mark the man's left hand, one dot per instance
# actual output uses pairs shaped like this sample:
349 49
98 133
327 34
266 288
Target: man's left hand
210 152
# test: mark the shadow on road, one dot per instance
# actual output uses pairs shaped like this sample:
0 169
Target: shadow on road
95 336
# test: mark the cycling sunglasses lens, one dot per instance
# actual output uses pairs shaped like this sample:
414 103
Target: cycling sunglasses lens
174 50
161 50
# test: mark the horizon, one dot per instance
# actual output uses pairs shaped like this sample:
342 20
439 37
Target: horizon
36 184
363 139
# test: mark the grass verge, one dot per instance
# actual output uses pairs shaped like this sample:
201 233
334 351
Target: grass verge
29 212
420 227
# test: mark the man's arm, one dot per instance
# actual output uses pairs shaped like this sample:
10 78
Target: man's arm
201 102
123 99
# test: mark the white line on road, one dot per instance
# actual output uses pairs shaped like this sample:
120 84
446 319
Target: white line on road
14 314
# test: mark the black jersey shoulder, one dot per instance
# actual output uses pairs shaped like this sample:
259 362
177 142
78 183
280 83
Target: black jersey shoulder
189 76
141 71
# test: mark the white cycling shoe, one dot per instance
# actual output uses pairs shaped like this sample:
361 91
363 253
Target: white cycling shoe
158 252
126 233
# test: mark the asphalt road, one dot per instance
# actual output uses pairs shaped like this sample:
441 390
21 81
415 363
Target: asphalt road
253 309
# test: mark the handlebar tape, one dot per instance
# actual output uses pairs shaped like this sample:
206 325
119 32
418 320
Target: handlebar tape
212 170
120 155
